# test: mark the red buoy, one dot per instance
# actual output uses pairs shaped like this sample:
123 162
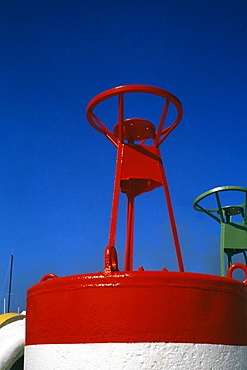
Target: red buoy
137 319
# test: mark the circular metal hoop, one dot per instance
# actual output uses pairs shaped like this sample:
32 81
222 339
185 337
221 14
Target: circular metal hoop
237 266
120 91
198 208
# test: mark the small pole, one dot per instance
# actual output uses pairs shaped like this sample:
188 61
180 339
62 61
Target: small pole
10 279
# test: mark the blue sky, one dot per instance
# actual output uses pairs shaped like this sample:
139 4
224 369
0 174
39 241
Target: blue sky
57 172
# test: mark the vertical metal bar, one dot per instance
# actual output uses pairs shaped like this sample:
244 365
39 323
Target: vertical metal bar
229 261
219 207
115 199
171 215
121 116
222 250
245 209
119 162
10 280
128 263
116 190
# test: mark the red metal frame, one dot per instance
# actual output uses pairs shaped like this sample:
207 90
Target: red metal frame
139 167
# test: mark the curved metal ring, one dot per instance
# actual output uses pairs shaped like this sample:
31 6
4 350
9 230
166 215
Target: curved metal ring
48 277
237 266
216 190
120 90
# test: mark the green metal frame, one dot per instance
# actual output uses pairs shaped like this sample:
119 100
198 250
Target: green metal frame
233 237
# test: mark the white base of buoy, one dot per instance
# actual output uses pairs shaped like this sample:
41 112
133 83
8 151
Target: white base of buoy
135 356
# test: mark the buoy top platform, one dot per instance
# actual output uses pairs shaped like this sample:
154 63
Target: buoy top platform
139 166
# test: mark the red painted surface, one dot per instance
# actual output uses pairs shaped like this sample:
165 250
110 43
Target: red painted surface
140 306
137 306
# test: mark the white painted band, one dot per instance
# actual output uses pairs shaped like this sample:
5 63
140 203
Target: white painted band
135 356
